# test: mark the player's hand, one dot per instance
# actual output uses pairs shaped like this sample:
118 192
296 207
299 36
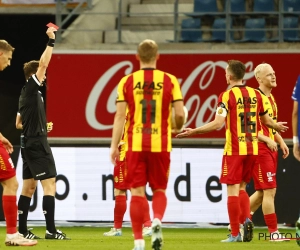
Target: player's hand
296 151
6 143
280 127
285 150
272 145
186 132
121 143
50 32
114 155
49 126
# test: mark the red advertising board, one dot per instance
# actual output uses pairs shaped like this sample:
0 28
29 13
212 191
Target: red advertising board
81 87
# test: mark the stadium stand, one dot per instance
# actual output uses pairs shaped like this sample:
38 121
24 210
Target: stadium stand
205 6
255 30
162 21
264 6
191 30
291 5
219 30
237 6
291 29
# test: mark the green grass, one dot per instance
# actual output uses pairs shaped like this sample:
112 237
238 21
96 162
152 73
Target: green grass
91 238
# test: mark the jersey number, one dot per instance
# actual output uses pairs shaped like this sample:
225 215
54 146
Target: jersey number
145 105
247 126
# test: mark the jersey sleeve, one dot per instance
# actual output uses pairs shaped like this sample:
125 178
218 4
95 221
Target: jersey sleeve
262 105
121 90
177 95
222 107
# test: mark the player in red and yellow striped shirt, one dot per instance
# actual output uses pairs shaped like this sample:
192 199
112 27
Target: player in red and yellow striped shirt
149 95
264 172
120 188
239 107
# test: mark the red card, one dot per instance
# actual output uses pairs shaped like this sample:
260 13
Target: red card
52 25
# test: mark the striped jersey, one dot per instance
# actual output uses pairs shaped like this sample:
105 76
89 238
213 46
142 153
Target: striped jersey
149 94
271 107
243 105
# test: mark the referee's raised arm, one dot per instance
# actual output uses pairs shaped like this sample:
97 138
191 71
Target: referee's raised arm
46 56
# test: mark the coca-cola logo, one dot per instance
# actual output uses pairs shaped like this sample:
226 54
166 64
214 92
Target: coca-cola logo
194 88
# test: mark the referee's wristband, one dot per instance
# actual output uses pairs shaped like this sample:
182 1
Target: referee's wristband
295 139
51 42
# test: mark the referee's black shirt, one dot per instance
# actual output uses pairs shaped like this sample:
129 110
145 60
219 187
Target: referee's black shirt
32 109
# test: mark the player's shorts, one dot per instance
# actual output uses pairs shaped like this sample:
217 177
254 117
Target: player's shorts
7 169
38 161
120 173
237 168
264 172
151 167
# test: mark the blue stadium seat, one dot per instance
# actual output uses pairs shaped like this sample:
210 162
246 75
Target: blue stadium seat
264 6
237 6
205 6
291 5
291 23
191 30
219 35
255 30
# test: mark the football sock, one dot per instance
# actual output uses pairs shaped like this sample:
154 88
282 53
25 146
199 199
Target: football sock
244 206
23 208
233 206
159 204
136 216
119 210
251 215
271 222
9 203
147 220
48 210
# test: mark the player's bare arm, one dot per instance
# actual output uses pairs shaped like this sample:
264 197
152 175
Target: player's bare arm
46 56
6 143
217 123
19 124
179 115
270 143
120 117
269 122
282 145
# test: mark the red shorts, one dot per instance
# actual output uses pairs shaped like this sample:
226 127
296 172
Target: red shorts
264 172
152 167
237 168
7 169
120 173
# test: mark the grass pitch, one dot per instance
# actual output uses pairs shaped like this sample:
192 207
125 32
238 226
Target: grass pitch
91 238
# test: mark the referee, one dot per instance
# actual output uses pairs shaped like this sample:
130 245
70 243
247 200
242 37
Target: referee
38 161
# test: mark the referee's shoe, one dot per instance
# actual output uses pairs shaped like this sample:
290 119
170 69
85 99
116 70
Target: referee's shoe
59 235
30 235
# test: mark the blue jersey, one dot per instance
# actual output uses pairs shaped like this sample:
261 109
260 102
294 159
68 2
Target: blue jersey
296 97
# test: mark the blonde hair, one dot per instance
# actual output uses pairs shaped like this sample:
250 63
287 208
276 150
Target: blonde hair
5 46
259 68
147 51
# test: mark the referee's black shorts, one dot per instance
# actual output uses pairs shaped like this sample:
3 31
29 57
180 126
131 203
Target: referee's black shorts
38 161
